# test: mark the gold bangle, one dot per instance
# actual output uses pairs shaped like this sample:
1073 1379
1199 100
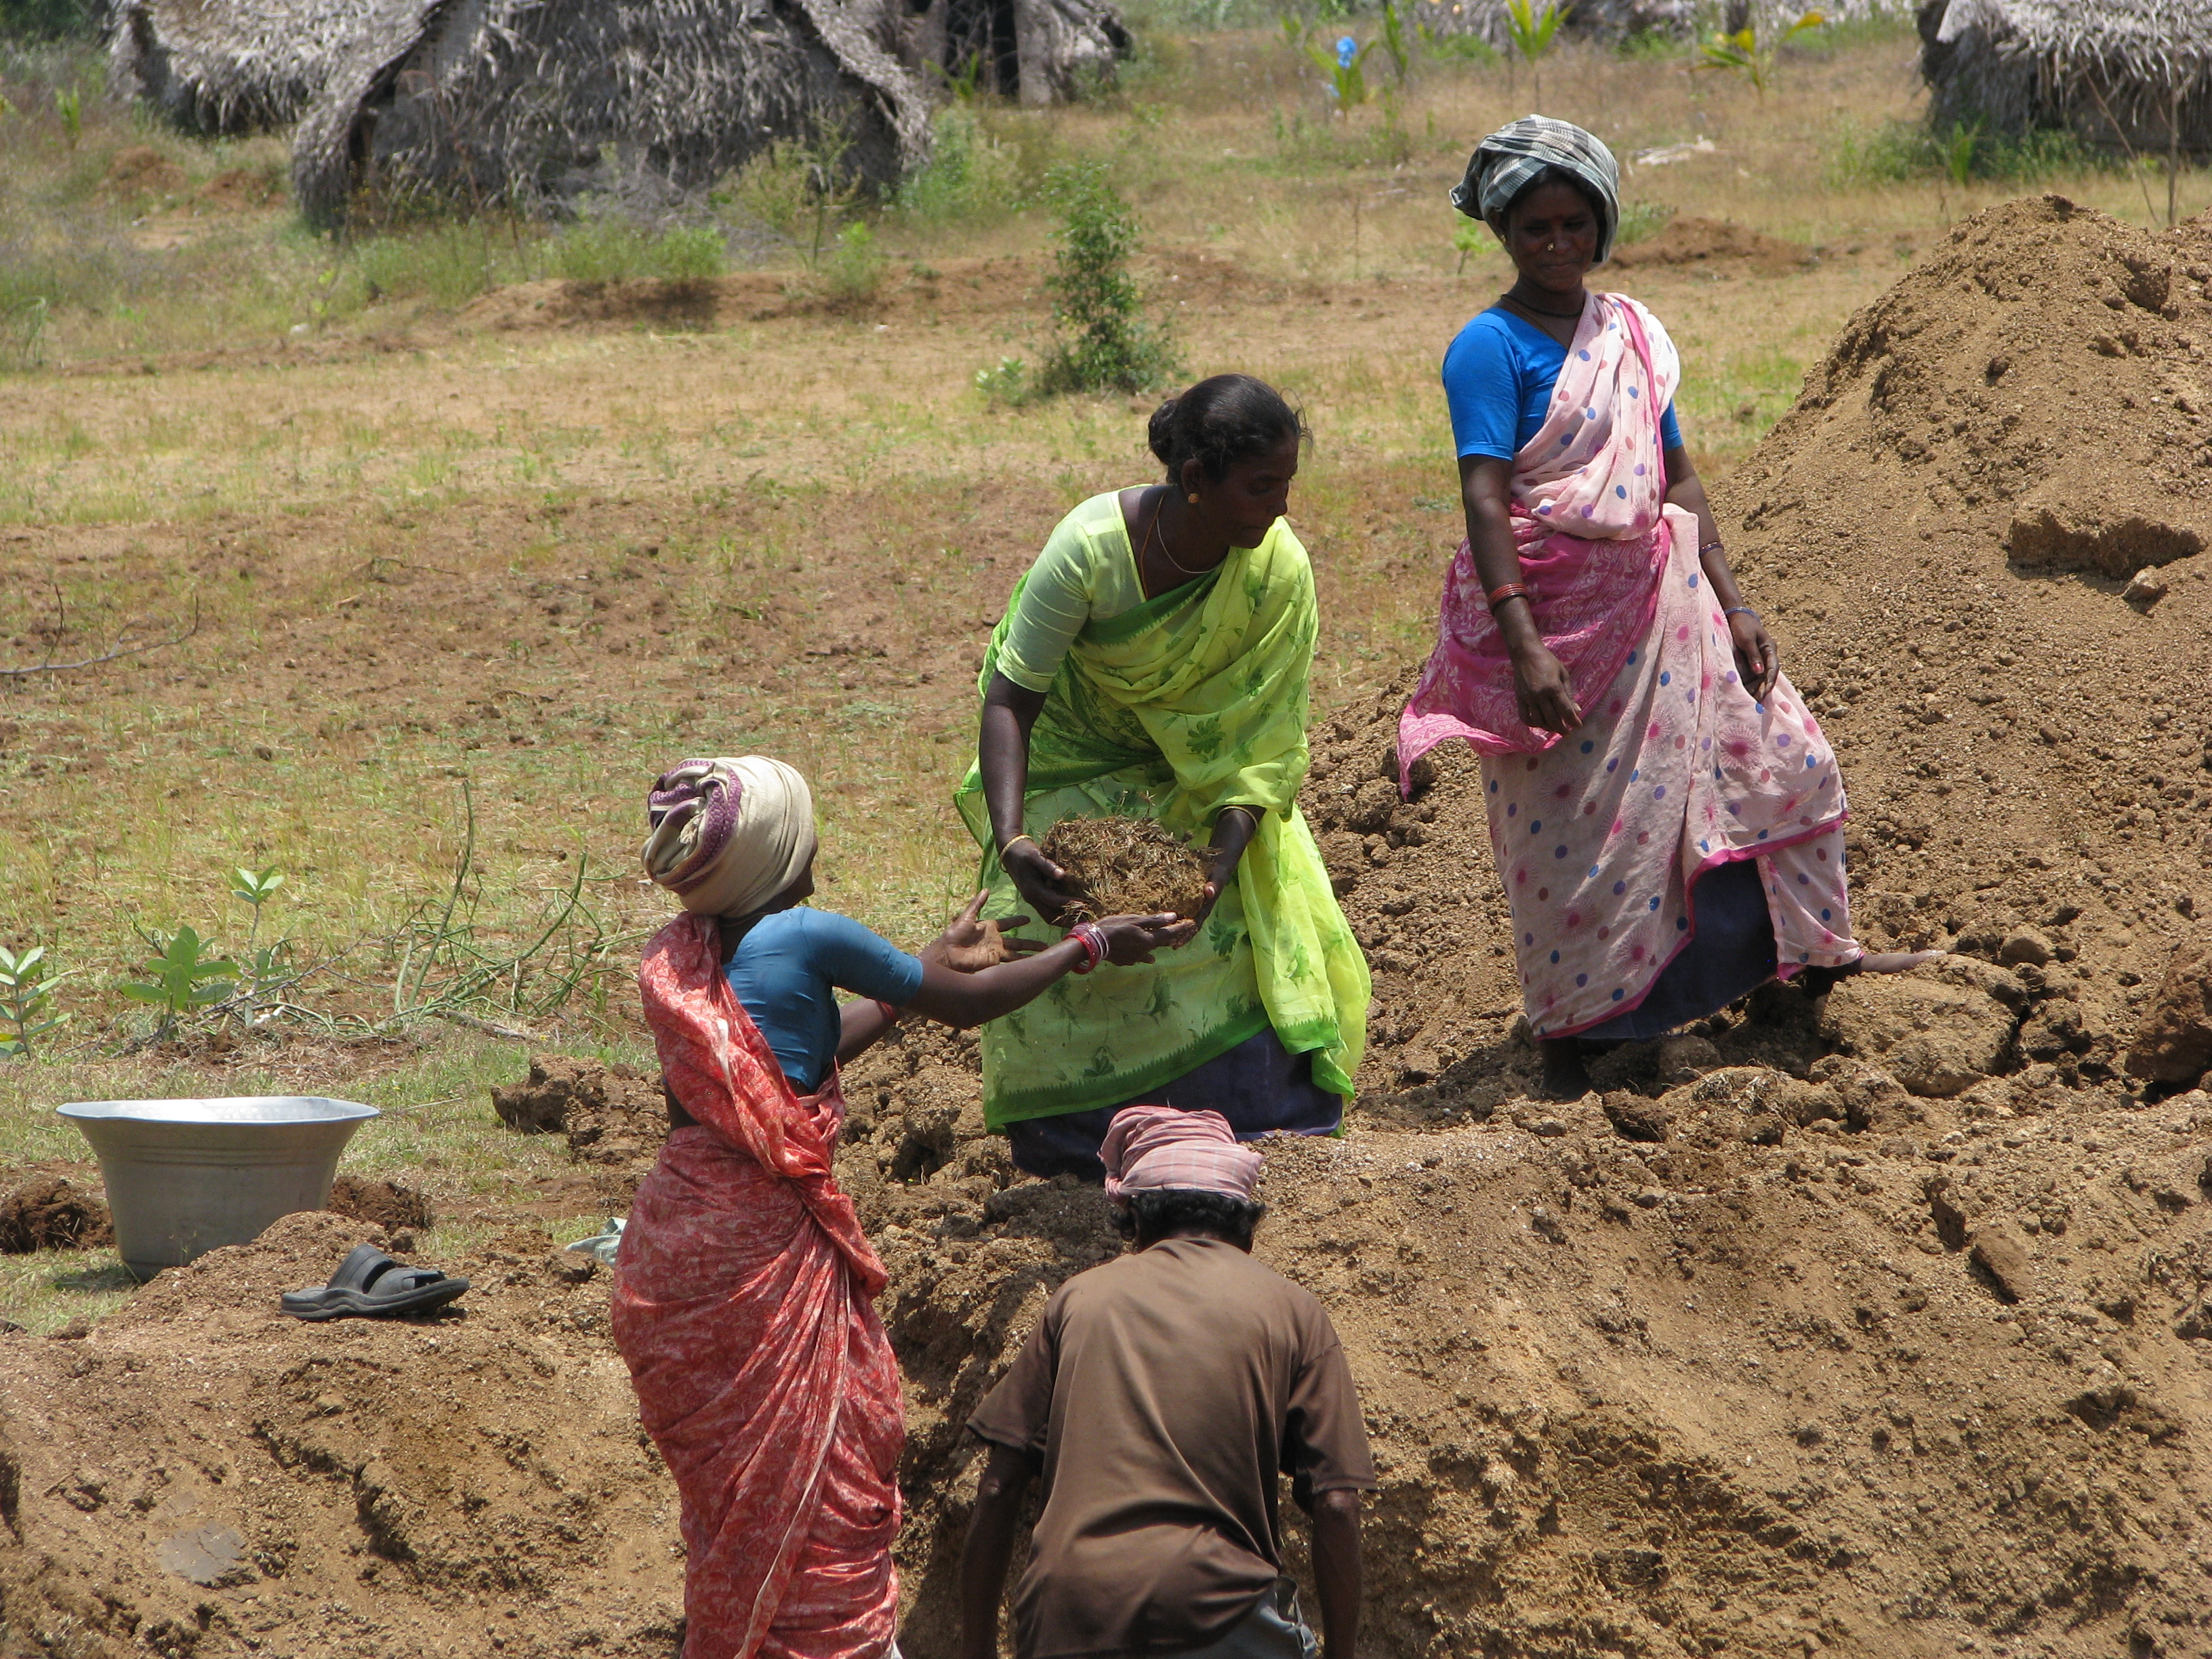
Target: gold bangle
1017 840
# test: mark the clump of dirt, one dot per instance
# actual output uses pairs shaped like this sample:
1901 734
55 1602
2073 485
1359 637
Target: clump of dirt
46 1212
609 1114
140 171
2175 1042
1689 240
239 190
1127 867
388 1205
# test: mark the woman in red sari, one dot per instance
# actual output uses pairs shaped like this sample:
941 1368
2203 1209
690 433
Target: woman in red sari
743 1299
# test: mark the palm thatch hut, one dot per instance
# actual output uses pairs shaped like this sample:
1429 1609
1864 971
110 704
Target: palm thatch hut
1038 51
533 102
2123 74
230 65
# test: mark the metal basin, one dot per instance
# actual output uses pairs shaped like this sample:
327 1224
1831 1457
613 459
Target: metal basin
187 1176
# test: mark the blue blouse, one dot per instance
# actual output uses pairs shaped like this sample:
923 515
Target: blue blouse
787 969
1499 376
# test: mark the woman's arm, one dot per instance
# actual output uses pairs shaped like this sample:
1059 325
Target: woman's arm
1233 830
1541 686
1757 659
1002 755
963 999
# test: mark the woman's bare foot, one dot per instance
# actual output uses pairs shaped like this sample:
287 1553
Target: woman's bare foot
1895 961
1565 1077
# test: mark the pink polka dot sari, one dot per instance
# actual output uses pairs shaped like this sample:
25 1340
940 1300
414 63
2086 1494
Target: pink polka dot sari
1676 770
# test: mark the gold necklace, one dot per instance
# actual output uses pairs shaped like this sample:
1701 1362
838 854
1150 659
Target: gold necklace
1163 544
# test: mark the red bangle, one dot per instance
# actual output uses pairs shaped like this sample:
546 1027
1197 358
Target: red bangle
889 1013
1092 938
1498 596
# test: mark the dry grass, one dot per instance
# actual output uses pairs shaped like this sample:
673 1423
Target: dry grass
1127 867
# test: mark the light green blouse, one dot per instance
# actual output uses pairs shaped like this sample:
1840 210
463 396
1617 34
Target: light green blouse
1087 572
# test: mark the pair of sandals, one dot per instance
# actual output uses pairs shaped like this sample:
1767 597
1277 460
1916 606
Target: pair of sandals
370 1285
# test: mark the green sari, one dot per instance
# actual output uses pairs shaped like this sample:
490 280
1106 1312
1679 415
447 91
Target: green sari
1192 701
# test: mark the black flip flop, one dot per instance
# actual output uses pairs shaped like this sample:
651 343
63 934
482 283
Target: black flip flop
370 1285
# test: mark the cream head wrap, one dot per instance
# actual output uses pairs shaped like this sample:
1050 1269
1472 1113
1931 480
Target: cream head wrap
1152 1148
728 836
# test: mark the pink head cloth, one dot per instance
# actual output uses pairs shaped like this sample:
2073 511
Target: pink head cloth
1150 1147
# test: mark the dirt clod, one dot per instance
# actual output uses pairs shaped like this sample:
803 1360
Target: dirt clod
49 1212
2175 1042
1127 866
389 1205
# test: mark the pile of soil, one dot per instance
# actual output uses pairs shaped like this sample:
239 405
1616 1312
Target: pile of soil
386 1203
1127 867
198 1475
44 1211
1718 243
611 1115
139 171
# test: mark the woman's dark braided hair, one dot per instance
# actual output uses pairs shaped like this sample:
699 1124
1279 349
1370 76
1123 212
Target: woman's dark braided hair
1156 1212
1220 422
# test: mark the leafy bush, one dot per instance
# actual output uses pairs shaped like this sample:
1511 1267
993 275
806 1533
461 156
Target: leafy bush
1641 219
1106 343
774 186
971 175
853 268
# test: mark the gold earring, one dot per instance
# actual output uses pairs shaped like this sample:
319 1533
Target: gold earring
1192 500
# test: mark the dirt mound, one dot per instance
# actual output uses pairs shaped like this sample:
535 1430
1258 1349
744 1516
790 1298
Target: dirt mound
610 1114
199 1476
240 190
1128 867
47 1212
1715 243
139 171
2175 1042
394 1207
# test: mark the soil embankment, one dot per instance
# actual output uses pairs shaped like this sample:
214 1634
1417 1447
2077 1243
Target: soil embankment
1875 1326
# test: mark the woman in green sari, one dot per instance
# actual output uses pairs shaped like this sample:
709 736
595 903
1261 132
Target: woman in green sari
1154 663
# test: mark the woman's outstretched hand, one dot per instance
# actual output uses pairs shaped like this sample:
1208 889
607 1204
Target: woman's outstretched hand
1757 657
1038 879
1543 692
1132 940
969 944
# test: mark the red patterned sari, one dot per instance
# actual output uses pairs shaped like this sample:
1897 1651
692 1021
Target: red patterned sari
742 1305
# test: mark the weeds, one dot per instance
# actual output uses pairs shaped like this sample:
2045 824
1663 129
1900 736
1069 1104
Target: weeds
971 175
1531 32
1345 64
1744 53
263 972
181 978
613 249
1900 152
27 1001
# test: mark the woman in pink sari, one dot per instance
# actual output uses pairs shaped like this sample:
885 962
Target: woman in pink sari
743 1287
1666 815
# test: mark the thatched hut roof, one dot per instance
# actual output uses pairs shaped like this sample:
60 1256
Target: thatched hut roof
229 65
1038 51
2132 72
521 102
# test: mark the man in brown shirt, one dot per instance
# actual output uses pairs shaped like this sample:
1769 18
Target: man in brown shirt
1159 1396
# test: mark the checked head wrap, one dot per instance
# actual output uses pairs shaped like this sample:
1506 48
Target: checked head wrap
1506 161
1149 1148
728 836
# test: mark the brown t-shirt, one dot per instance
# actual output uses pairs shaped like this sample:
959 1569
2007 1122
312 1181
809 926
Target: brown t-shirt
1163 1391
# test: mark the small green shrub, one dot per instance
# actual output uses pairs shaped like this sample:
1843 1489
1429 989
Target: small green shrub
182 977
774 186
448 263
1456 48
969 176
1104 340
1007 381
853 270
27 1001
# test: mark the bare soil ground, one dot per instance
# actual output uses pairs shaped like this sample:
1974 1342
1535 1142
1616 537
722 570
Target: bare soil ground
1875 1325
